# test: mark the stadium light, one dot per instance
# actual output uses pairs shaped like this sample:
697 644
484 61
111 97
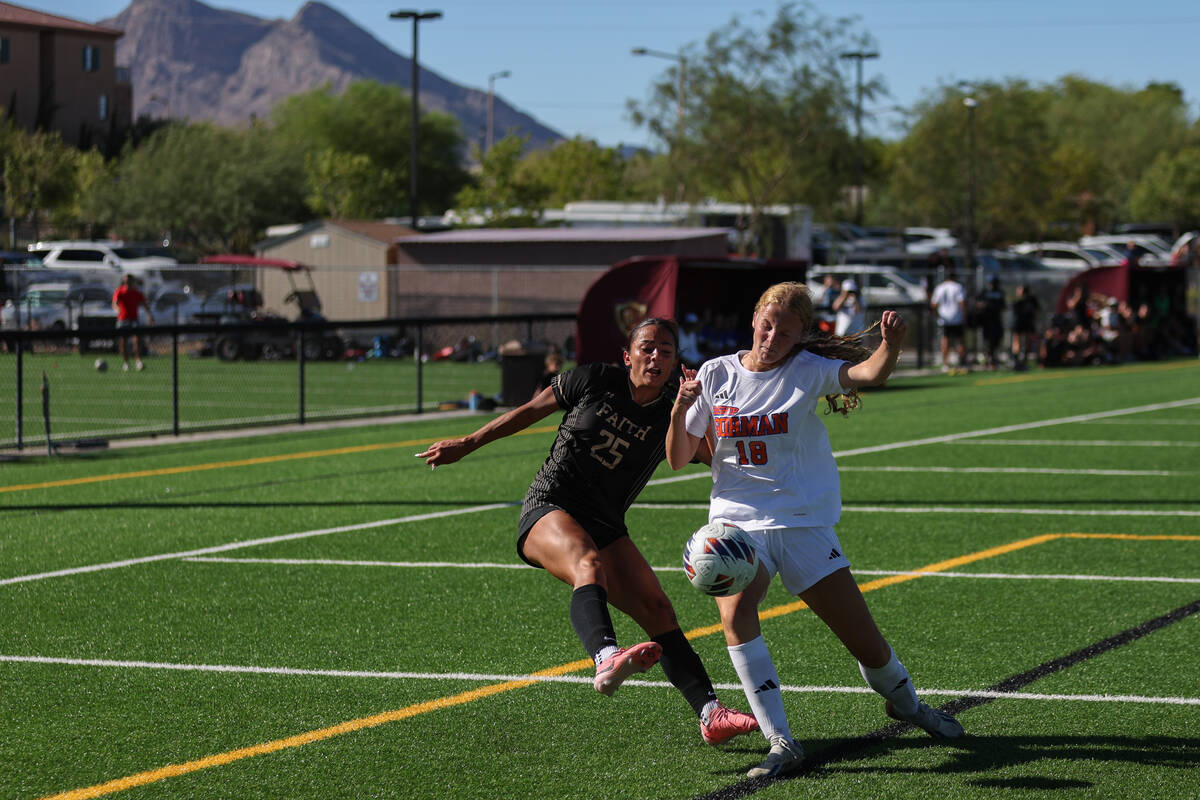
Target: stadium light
417 17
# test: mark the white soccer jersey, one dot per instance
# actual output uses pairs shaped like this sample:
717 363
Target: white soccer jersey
773 466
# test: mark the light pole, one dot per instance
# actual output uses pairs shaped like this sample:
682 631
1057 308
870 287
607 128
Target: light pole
417 17
970 103
491 104
859 56
682 105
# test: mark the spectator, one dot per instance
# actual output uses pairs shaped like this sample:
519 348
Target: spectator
1025 309
127 301
949 300
990 305
1133 255
690 352
1053 347
851 313
826 317
553 364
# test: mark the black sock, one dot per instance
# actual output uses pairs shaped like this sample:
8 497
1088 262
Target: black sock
590 619
685 670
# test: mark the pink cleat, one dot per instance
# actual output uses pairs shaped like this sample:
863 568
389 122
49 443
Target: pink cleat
612 671
725 723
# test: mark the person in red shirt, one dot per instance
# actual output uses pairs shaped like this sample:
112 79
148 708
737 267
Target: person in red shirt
127 300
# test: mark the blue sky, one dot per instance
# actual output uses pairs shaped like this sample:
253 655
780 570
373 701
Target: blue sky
572 68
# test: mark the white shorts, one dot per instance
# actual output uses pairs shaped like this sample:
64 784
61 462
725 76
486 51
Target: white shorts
800 556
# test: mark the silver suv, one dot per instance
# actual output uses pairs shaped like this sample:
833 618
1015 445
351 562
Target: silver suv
106 262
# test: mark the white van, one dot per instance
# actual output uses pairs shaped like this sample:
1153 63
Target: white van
106 262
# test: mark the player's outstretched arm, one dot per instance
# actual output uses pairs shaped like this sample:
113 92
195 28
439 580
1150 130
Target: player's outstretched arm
879 365
448 451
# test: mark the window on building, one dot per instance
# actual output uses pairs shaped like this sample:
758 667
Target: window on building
91 58
3 49
103 107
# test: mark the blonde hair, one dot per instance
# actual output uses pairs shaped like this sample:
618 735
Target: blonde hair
793 297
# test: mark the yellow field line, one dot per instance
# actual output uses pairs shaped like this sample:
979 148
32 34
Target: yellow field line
244 462
1132 368
171 771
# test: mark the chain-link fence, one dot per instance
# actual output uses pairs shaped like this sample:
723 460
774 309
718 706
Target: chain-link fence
74 386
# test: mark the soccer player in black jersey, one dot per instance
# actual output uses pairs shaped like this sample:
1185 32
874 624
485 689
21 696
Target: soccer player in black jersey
609 443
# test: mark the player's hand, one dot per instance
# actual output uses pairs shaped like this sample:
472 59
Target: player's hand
893 328
689 391
444 452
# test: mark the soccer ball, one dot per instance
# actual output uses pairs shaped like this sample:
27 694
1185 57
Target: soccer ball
101 365
719 559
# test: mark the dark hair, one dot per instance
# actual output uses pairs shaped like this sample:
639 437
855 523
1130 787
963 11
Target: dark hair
669 324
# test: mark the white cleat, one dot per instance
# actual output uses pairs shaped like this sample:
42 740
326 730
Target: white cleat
784 757
937 724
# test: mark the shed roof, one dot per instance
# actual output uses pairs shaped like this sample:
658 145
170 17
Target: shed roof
562 235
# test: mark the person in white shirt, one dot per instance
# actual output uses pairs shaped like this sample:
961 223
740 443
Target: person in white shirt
774 477
851 316
949 300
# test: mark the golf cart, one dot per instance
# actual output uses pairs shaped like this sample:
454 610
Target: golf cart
264 334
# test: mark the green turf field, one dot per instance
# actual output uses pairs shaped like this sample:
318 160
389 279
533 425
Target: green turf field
321 616
86 403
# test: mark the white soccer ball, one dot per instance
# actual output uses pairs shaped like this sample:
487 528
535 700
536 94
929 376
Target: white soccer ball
719 559
101 365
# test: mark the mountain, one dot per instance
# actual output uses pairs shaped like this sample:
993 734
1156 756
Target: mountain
193 61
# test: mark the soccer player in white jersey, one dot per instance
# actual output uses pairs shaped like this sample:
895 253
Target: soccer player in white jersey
774 476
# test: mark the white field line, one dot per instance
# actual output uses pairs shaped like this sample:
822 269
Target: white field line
579 679
1124 473
860 451
1081 443
224 548
1049 512
331 562
1143 423
954 437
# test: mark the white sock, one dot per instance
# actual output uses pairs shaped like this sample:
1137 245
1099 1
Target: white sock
761 684
892 682
709 707
604 653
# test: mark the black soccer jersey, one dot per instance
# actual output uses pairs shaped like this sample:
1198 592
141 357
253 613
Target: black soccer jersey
607 445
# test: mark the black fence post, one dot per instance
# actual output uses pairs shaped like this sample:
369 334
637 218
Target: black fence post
300 369
20 388
175 380
419 355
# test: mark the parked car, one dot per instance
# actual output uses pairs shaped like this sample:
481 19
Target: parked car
1068 255
106 262
880 287
1151 249
1181 246
928 240
57 306
177 304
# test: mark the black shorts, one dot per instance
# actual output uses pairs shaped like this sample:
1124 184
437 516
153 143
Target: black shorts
952 331
602 532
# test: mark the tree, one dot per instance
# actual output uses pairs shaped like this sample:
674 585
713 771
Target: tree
765 116
347 185
1170 190
206 187
39 174
500 193
371 120
577 169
